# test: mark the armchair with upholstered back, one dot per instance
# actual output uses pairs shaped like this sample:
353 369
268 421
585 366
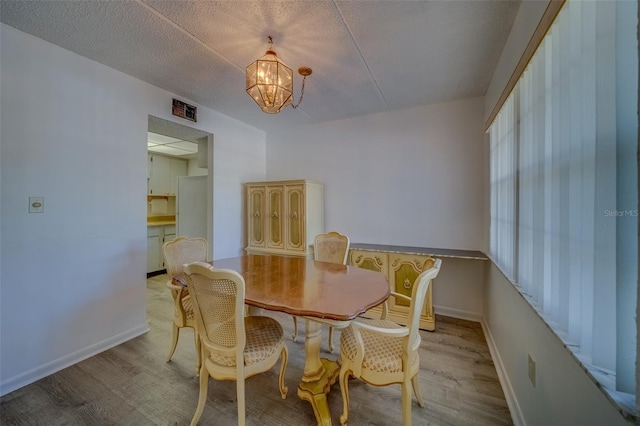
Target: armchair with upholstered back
176 253
381 352
234 346
331 247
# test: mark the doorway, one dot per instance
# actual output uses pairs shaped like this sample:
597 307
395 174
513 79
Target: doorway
199 163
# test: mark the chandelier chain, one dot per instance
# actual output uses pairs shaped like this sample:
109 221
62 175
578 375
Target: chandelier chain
301 93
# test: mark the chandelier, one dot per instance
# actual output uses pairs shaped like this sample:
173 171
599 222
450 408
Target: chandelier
270 82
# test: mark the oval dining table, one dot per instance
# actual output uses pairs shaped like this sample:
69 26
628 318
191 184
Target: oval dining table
320 292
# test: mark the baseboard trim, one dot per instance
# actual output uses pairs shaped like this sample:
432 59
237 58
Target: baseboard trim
503 377
457 313
154 273
68 360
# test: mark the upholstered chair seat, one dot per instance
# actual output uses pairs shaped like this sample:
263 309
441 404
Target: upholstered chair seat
381 353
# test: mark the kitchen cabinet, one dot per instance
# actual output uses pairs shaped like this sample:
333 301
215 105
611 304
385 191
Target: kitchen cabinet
163 174
154 249
177 167
169 233
401 270
283 217
156 237
159 167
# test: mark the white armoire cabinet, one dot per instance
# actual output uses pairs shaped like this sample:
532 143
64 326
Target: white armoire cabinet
283 217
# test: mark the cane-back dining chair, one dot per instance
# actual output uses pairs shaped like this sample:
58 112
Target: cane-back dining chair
234 347
176 253
381 352
331 247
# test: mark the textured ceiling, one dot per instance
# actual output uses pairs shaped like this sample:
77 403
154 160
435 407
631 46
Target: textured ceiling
366 56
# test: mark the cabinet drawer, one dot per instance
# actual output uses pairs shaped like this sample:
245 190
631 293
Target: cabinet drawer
169 230
154 231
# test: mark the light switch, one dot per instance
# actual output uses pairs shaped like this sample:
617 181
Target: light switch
36 204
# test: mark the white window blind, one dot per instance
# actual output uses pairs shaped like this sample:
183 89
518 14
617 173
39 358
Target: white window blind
503 189
554 186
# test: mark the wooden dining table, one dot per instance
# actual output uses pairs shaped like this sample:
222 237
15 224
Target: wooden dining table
320 292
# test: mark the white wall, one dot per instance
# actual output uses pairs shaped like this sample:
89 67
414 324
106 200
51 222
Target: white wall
194 170
73 131
563 394
413 177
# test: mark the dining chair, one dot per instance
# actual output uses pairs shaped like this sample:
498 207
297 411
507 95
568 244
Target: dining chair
234 346
381 352
176 253
331 247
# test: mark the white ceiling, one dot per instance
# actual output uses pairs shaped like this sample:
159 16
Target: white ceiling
170 146
366 56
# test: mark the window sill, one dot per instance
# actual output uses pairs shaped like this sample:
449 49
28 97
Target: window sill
605 381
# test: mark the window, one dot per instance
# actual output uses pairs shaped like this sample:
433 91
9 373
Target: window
564 187
503 189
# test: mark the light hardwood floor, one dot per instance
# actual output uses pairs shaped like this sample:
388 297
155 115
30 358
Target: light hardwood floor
132 384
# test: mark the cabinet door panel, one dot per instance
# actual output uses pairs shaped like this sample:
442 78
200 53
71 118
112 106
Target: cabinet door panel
159 180
154 252
374 261
177 167
255 218
404 269
295 218
154 262
401 271
275 217
169 233
277 221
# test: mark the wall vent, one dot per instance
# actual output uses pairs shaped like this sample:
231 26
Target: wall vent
184 110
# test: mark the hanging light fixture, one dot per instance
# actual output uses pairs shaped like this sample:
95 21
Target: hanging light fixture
270 82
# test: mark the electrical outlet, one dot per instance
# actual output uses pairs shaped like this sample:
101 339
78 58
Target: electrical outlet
36 204
532 370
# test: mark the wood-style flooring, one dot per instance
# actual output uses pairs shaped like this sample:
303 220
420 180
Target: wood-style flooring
132 384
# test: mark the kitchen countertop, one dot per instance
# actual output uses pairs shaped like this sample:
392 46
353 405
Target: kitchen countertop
157 220
161 223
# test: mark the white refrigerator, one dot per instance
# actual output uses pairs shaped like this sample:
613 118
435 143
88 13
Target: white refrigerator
191 206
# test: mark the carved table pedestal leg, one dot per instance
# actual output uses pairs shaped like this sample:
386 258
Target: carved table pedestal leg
319 375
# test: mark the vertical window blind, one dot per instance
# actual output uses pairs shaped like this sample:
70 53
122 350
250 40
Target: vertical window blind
554 183
503 189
